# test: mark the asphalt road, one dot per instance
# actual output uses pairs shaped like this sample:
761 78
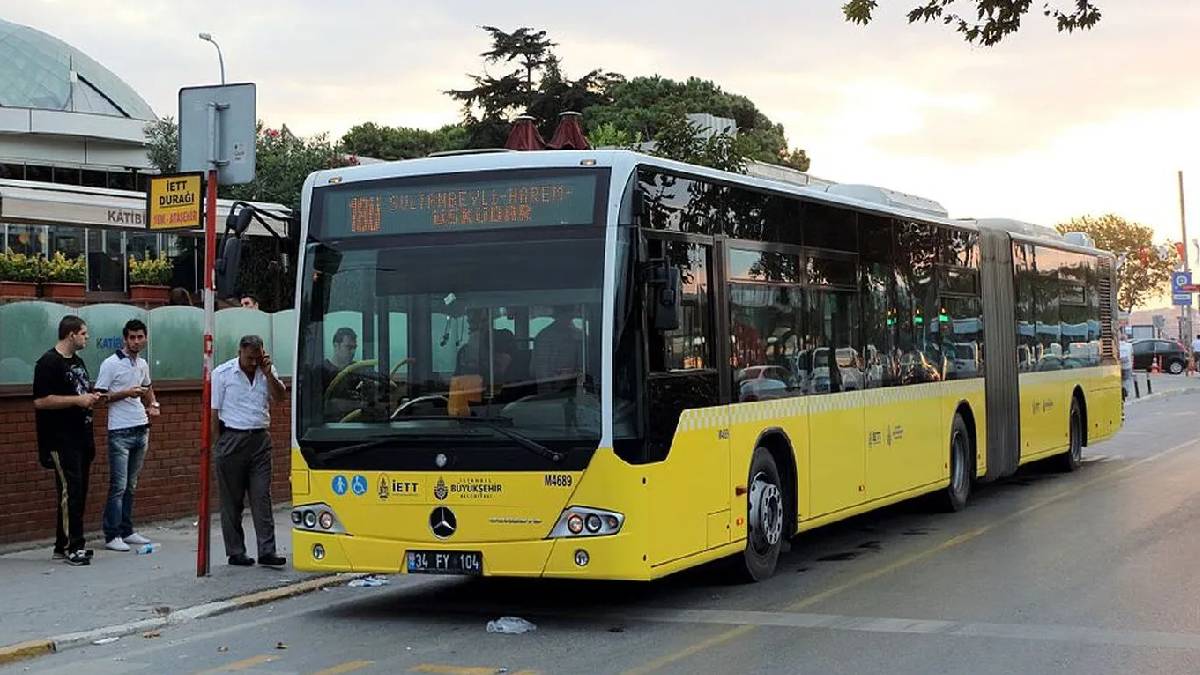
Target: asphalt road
1091 572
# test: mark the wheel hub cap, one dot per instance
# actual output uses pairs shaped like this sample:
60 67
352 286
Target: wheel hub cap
766 511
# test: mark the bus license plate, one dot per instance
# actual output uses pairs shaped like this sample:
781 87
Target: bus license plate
445 562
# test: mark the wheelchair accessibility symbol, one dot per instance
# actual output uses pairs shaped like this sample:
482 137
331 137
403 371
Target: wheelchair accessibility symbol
339 485
359 485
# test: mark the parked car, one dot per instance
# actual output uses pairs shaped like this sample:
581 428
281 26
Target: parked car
758 383
1172 356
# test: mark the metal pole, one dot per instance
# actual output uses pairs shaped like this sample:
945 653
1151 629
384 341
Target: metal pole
220 58
1186 338
206 440
210 262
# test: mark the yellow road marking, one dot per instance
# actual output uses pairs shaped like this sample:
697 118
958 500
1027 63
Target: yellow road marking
347 667
908 560
240 665
668 659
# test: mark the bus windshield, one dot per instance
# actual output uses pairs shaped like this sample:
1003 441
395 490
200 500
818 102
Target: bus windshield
406 335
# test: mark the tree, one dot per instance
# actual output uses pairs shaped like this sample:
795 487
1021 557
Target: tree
162 144
994 19
393 143
536 86
643 107
681 140
1144 272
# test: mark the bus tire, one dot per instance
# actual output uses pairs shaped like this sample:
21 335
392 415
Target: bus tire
764 519
954 497
1071 459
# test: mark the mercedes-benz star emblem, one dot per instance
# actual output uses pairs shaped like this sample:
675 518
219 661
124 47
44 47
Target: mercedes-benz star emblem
442 522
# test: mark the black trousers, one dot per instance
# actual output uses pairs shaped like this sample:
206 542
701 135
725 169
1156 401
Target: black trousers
72 469
244 465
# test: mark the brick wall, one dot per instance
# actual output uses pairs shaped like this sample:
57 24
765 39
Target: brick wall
168 486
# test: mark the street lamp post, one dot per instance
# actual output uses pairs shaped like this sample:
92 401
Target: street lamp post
207 37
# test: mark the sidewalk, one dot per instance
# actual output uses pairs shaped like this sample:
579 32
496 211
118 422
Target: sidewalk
43 598
1164 385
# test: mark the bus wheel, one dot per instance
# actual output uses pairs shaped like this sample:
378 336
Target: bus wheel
764 535
1073 457
954 498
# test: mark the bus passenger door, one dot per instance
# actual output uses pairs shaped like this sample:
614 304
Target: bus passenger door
835 379
687 426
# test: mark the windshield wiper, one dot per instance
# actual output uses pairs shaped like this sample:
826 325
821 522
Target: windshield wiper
353 449
498 425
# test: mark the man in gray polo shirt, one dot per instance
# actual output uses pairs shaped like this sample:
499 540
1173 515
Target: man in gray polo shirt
242 389
125 380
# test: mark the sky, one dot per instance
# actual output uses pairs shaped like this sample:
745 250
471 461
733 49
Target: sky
1043 127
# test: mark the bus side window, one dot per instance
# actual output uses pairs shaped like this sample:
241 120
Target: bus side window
682 373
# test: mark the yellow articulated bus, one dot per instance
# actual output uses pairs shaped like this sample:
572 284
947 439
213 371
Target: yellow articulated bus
604 365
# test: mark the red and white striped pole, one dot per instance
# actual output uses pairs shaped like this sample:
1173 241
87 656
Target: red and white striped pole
210 265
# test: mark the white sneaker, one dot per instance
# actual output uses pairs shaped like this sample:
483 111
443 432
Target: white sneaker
136 538
117 544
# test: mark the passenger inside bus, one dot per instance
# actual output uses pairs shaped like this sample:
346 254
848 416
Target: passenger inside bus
557 352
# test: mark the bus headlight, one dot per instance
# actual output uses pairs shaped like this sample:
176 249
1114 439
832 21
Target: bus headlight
582 521
317 517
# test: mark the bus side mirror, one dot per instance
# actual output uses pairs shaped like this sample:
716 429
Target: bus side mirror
666 293
228 264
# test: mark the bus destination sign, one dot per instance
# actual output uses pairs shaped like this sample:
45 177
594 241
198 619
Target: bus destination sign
449 207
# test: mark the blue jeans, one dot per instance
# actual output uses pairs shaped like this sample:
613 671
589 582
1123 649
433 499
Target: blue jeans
126 452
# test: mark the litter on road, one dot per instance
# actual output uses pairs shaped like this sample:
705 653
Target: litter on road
510 625
368 582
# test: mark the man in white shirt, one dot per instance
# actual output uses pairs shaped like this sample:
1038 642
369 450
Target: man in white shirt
242 389
124 378
1196 352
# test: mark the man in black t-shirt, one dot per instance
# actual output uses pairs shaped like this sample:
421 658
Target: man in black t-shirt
63 400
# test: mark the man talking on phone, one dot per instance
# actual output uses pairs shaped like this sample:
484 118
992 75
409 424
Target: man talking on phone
242 390
124 379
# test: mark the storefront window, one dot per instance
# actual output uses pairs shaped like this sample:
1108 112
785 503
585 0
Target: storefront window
27 239
141 245
185 253
106 261
66 240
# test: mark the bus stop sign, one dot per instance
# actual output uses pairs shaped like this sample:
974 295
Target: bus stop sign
217 131
1181 289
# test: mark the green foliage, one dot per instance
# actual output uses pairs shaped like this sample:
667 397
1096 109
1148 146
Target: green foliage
994 19
680 139
162 144
646 107
19 267
609 136
63 270
1145 273
284 160
536 86
150 271
392 143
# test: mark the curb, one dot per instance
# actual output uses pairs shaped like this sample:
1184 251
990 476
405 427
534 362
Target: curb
34 648
1188 391
25 650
